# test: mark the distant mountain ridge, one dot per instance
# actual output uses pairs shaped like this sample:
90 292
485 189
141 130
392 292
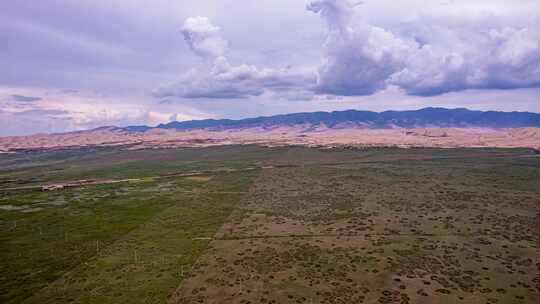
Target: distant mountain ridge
429 127
426 117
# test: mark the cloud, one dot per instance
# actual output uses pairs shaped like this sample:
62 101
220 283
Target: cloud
32 121
492 57
435 55
426 56
40 112
358 58
218 79
223 80
59 111
22 98
336 12
203 37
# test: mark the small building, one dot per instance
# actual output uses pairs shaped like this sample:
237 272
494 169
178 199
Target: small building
52 187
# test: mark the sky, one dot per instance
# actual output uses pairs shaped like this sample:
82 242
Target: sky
73 65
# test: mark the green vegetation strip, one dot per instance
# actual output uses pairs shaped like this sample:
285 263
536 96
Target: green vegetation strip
110 243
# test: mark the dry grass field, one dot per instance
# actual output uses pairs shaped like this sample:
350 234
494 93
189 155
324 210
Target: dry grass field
273 225
402 231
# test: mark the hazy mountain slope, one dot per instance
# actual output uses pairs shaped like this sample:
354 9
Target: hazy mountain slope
430 127
427 117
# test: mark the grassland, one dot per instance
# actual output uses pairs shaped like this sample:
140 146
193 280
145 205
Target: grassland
291 225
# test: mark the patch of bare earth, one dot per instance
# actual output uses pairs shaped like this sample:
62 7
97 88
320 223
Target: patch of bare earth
325 235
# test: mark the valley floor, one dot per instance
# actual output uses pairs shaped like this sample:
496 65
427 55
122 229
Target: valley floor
272 225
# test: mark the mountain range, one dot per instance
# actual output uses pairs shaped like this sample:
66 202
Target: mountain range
428 127
427 117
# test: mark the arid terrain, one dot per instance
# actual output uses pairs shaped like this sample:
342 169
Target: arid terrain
270 152
302 135
252 224
356 235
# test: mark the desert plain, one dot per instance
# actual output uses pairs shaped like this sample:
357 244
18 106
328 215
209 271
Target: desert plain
301 135
253 224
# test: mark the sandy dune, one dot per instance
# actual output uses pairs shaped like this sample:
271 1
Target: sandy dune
305 135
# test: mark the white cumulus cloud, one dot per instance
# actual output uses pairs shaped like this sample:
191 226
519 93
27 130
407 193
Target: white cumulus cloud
203 37
219 79
223 80
434 55
426 55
